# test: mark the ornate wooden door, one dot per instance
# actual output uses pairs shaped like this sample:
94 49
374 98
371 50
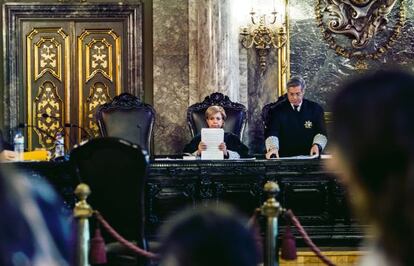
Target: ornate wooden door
99 69
71 64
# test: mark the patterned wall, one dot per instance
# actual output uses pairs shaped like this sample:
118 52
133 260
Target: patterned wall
171 79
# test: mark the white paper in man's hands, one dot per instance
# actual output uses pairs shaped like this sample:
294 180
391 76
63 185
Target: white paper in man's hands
212 137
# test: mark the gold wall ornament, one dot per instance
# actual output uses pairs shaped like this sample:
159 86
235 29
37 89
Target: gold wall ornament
264 36
356 24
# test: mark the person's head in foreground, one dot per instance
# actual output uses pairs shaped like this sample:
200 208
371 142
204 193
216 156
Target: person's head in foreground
208 236
373 148
34 230
215 116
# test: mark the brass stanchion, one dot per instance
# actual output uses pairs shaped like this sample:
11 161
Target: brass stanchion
271 209
82 212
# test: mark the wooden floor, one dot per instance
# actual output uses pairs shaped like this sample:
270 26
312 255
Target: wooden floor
339 258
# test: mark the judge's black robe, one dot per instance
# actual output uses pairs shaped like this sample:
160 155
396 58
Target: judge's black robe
232 141
296 130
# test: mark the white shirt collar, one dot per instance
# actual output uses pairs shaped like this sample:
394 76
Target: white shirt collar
299 106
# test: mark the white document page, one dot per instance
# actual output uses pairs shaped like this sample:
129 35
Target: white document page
212 137
299 157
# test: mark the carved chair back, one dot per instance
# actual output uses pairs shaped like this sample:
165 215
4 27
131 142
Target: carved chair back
266 113
236 114
116 172
128 118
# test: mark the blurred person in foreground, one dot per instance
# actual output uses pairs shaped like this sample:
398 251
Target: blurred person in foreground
208 236
373 152
6 150
33 229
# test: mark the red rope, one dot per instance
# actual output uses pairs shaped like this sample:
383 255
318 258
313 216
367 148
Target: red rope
253 219
122 240
307 239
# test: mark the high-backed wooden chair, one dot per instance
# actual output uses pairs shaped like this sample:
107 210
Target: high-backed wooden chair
128 118
266 111
236 114
115 170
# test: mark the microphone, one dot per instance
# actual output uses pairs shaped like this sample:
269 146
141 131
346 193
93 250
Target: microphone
70 125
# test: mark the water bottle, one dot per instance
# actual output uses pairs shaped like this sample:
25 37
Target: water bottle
59 145
19 146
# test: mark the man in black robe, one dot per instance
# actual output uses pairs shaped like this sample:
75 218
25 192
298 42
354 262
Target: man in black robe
297 125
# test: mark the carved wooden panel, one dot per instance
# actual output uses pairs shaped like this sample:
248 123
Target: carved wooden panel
305 188
48 76
62 61
99 49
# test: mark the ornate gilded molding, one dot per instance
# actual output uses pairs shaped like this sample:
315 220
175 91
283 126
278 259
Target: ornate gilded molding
47 57
359 22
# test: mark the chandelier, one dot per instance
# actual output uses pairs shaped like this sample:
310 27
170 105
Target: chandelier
269 31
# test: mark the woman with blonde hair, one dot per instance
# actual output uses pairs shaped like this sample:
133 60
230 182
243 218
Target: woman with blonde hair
232 147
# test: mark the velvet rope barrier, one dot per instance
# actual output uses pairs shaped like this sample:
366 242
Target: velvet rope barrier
307 239
122 240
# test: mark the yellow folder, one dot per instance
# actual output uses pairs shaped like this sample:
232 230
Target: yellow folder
38 155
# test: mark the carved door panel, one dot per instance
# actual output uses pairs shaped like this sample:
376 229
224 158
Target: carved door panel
47 72
98 69
70 69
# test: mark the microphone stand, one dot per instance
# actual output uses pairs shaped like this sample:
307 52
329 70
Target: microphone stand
81 128
70 126
26 126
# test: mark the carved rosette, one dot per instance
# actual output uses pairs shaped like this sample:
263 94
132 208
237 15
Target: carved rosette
360 29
